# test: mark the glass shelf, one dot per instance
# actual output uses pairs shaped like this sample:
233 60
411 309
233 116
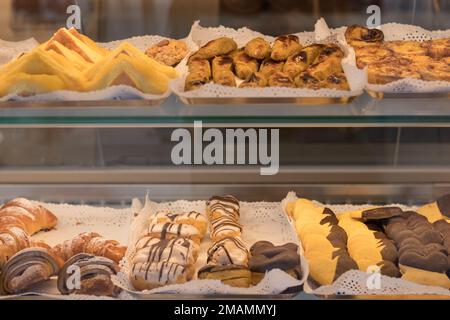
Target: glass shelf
363 112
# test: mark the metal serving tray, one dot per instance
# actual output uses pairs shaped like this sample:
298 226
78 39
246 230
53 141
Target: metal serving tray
418 95
267 100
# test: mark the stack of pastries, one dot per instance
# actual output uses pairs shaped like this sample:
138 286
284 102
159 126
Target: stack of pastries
286 63
228 256
388 61
72 61
414 246
167 250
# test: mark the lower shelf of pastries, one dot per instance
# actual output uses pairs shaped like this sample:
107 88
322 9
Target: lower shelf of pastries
225 247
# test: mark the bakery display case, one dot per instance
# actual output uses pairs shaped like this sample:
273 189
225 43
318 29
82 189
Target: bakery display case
191 149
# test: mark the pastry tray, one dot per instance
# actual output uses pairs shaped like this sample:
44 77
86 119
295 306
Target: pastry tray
116 103
403 95
266 100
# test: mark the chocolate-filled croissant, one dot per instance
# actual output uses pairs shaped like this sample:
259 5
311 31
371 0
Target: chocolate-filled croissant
257 80
280 79
215 48
299 62
244 65
199 74
360 36
285 46
269 66
222 71
307 81
258 48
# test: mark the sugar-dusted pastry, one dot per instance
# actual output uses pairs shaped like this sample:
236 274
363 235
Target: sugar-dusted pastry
91 243
95 276
219 206
244 65
284 47
222 73
217 47
27 215
193 218
199 74
301 61
169 52
324 241
168 230
257 80
361 36
368 246
266 257
438 210
230 250
147 276
177 250
232 275
281 79
27 268
269 67
423 256
224 227
258 48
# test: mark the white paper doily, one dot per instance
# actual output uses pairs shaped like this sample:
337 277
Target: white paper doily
398 32
11 50
200 36
354 282
259 221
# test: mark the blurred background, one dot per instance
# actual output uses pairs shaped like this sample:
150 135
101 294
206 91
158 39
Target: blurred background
106 20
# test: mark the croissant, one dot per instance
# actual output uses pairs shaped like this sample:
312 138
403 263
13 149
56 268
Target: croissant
28 216
92 243
95 276
29 267
14 239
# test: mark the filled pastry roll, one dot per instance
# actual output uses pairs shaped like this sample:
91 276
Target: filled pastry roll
336 81
147 276
258 48
307 81
257 80
222 67
299 62
244 65
362 36
217 47
269 66
280 79
199 74
285 46
232 275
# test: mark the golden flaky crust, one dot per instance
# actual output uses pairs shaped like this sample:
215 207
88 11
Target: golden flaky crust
388 61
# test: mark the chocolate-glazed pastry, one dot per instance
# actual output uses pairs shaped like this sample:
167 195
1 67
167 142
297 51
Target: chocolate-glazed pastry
95 276
423 256
258 48
280 79
27 268
257 80
232 275
378 213
147 276
222 71
440 209
307 81
217 47
269 67
368 246
219 206
199 74
336 81
284 47
266 257
324 242
244 65
192 218
173 230
230 250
